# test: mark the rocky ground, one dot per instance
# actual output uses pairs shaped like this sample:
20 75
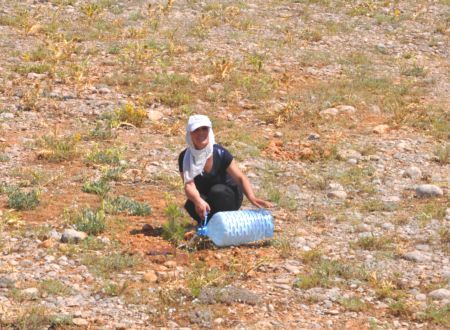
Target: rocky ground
336 110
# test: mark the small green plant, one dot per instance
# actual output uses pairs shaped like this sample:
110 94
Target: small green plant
34 317
113 173
102 131
20 200
105 265
57 149
106 156
324 273
115 290
308 281
174 228
312 256
131 114
442 154
353 304
99 187
414 71
3 157
436 315
91 222
283 245
55 287
91 10
202 276
444 235
399 308
373 242
122 204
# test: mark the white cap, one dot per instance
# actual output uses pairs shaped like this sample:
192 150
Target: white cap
197 121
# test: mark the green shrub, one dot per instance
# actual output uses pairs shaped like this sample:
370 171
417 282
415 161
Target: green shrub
106 156
101 131
100 187
58 149
92 223
122 204
113 173
201 277
174 228
20 200
436 314
131 114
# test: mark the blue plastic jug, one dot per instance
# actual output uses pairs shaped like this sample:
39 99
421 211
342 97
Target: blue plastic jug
238 227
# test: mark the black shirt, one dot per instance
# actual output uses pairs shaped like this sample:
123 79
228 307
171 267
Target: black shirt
218 174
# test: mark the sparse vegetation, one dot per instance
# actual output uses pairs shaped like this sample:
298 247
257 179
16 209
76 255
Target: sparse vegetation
175 225
57 149
122 204
99 187
91 222
21 200
111 156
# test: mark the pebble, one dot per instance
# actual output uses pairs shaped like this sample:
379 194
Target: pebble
72 235
428 190
80 322
30 293
151 276
155 115
421 297
416 256
440 294
338 194
413 172
380 129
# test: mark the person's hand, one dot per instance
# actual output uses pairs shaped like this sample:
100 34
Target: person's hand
261 203
202 208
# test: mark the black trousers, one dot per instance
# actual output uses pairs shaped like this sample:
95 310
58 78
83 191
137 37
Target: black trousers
220 198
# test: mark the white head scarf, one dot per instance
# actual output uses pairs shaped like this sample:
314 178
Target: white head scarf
194 160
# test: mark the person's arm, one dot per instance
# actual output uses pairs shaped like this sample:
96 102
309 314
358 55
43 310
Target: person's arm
201 206
237 175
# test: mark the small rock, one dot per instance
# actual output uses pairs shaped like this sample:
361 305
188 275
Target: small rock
219 321
346 109
6 283
428 190
155 115
338 194
48 243
413 172
349 154
72 235
55 235
170 264
38 76
445 274
329 112
421 297
416 256
6 115
313 137
278 134
151 277
440 294
104 90
292 269
380 129
80 322
35 29
387 226
30 293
